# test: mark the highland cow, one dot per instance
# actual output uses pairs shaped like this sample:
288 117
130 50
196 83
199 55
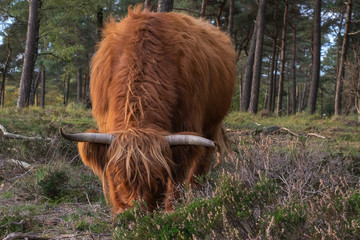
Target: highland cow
161 84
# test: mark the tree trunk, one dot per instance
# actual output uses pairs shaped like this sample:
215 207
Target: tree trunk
282 60
293 69
64 91
341 73
4 73
321 102
315 78
266 96
338 43
34 85
66 87
240 89
42 98
36 100
165 5
85 85
30 54
273 100
231 17
219 13
68 91
298 94
79 86
303 96
246 90
357 77
260 21
147 4
273 59
86 78
288 105
203 8
100 22
272 78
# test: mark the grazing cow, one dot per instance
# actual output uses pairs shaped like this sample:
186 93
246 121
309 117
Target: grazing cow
161 84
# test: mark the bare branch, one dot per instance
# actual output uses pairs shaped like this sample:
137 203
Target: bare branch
18 136
316 135
289 131
354 33
12 236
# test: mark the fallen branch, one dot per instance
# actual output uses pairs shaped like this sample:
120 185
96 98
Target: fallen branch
18 136
34 236
12 236
20 163
316 135
74 236
272 129
289 131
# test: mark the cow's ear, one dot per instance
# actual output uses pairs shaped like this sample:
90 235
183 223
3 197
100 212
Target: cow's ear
94 155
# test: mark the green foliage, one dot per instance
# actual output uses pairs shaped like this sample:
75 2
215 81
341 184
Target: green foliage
19 218
288 220
62 182
200 218
354 204
54 184
7 224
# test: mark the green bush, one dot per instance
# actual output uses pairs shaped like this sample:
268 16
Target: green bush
54 185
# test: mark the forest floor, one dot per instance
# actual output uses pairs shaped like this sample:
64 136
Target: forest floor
292 177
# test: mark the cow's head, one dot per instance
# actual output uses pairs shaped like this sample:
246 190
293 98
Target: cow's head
135 164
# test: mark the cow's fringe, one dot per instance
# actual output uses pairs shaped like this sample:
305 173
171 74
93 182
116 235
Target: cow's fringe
140 158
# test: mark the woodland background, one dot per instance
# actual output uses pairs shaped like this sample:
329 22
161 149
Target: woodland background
293 169
303 55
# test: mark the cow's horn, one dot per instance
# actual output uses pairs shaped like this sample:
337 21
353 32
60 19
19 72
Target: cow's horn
88 137
179 139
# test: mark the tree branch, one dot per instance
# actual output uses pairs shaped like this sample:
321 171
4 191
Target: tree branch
354 33
52 54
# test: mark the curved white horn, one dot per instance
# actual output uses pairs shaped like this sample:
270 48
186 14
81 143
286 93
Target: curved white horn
88 137
175 139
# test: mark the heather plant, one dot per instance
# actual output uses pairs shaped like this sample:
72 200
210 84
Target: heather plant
228 212
266 188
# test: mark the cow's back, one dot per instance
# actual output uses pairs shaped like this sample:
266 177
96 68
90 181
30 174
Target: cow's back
167 69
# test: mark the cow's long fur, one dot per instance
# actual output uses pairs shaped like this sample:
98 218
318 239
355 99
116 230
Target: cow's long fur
155 74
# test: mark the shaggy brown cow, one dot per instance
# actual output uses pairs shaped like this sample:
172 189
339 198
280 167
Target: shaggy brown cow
153 75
